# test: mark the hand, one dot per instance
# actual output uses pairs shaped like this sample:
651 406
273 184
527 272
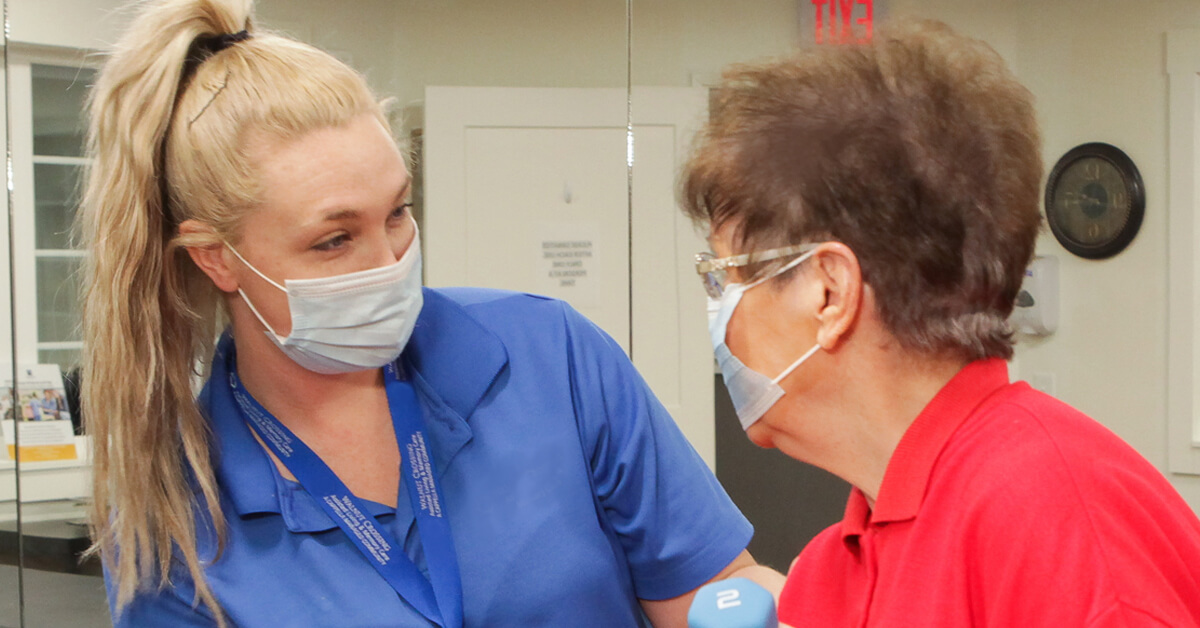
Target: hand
673 613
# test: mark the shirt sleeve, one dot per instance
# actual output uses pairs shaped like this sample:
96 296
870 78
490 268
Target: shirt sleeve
170 606
676 524
1088 533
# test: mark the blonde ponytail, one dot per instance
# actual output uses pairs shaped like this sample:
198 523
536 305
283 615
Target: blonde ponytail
168 147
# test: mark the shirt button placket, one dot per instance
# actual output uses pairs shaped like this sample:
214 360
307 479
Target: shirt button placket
870 564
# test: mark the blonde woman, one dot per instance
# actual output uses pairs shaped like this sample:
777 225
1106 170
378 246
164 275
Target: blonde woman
365 452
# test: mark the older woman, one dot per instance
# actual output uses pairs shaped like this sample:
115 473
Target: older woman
365 452
872 211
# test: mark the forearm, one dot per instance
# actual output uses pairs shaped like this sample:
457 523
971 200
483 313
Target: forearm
763 576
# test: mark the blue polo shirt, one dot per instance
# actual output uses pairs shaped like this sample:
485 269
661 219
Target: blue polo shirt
570 492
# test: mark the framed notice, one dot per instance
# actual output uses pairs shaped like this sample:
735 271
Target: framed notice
40 417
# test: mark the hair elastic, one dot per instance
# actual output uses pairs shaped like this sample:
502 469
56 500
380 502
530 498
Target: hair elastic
206 46
213 45
201 49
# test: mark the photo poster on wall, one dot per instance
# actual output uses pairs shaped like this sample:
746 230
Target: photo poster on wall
41 414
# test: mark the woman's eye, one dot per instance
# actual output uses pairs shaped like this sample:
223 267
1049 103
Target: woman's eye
401 210
332 243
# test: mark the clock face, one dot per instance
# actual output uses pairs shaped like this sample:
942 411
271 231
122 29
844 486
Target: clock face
1094 201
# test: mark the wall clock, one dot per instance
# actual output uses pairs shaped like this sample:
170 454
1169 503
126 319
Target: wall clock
1095 200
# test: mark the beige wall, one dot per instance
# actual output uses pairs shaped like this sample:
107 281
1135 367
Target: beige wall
678 42
1097 68
92 24
405 45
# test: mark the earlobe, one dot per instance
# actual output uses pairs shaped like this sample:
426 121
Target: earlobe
208 253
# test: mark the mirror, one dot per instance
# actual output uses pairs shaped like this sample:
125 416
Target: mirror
11 581
47 86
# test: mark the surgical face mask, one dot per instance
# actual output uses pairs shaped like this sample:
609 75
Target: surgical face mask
350 322
752 392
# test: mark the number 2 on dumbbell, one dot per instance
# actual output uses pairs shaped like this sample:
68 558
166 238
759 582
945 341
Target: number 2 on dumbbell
728 599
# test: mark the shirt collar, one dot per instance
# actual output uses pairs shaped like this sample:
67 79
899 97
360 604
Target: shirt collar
454 354
454 361
908 470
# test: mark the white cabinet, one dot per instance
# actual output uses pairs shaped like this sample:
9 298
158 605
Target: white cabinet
546 190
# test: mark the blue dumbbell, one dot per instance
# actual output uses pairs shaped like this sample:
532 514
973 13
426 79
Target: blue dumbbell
733 603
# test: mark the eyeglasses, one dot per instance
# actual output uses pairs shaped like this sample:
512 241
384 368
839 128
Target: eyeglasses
712 269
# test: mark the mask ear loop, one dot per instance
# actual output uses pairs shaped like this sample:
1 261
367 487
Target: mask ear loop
251 267
788 370
247 299
786 267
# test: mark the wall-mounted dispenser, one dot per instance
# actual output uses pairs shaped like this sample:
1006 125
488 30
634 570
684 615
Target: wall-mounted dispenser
1036 311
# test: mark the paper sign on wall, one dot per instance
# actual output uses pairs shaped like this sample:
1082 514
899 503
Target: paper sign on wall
41 415
567 262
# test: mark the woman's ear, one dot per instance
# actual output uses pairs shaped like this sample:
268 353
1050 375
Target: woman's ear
836 267
209 254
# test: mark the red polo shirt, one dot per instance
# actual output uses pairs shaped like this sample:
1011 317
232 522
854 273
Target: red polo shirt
1004 507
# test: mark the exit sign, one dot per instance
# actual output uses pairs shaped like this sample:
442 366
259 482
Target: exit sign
843 21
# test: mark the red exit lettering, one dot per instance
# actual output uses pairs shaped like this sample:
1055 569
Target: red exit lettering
843 27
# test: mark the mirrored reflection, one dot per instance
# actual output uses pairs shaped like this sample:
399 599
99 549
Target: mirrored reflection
47 91
58 97
10 583
58 94
57 301
55 187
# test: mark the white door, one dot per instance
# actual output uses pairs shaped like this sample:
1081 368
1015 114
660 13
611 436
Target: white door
529 189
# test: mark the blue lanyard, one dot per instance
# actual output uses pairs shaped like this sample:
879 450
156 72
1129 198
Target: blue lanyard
439 599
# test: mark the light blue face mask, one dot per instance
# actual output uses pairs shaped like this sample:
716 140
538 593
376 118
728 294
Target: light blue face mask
752 392
351 322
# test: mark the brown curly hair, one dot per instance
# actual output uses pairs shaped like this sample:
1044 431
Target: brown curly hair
920 151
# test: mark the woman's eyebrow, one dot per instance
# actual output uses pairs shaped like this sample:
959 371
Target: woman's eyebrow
340 214
347 214
405 188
